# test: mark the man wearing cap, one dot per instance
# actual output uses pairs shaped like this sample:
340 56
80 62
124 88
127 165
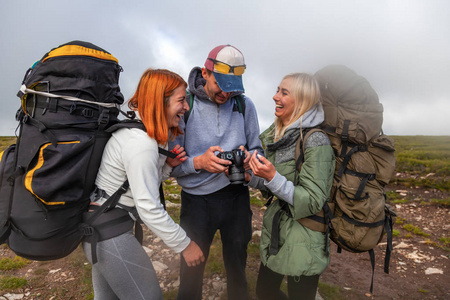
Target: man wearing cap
208 201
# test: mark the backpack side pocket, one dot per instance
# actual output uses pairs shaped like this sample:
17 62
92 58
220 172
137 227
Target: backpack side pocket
7 167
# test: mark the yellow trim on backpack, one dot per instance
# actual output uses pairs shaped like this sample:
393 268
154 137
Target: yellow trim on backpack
72 50
1 155
29 176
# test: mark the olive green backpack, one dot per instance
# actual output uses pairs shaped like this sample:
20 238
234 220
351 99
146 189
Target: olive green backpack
357 215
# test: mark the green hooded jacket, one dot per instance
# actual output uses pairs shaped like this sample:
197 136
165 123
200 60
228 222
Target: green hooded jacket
301 250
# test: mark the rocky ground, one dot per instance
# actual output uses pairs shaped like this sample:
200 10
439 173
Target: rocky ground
419 267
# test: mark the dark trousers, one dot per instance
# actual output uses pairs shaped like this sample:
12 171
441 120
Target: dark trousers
299 287
227 210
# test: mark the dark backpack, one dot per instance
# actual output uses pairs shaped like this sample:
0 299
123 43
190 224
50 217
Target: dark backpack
70 101
239 105
356 217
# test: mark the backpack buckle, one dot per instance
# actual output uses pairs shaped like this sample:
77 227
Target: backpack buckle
87 230
88 113
103 119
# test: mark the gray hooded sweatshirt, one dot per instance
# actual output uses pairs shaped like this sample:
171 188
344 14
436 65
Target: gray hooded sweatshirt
209 125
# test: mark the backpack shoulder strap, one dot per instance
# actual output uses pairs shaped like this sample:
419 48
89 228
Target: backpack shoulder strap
191 105
240 102
321 220
134 123
300 146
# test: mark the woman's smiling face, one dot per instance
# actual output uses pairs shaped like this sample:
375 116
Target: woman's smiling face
284 101
177 106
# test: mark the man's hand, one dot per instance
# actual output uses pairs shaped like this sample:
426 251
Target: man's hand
261 167
181 156
193 255
208 161
248 155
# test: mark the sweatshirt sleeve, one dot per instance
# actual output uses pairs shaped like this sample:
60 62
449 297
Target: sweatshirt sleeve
187 167
140 156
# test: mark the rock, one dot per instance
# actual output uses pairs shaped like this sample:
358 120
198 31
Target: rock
403 245
159 266
54 271
218 285
430 271
171 204
257 233
12 296
176 283
148 251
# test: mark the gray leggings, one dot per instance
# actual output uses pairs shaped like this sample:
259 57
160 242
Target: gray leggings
123 271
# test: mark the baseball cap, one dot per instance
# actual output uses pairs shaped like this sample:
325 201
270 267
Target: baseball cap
227 64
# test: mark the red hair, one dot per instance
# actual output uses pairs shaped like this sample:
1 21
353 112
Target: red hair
151 100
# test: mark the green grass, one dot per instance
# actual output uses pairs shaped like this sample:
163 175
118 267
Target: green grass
8 283
414 229
445 240
330 292
6 141
170 295
444 202
174 213
400 201
215 261
423 154
17 262
399 220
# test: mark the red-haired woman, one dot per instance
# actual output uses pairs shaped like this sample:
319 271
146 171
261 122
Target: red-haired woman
123 269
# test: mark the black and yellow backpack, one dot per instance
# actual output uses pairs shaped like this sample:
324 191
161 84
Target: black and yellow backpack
70 100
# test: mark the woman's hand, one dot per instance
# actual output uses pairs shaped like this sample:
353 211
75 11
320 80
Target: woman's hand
193 255
261 167
181 156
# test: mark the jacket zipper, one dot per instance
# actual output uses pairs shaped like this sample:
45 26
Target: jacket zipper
218 119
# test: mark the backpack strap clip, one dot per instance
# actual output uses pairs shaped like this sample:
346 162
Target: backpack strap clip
87 230
103 119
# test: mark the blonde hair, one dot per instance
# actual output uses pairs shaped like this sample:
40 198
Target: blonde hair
151 100
306 93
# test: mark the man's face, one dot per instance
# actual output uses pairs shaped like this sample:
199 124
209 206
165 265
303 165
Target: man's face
213 90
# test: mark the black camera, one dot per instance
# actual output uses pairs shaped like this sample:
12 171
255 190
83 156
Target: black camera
236 169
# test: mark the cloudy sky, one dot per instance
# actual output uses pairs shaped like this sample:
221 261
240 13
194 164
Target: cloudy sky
402 47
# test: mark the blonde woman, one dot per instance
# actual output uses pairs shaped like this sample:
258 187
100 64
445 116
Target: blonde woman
287 247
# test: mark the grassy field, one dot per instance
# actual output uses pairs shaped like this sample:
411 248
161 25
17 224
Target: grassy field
418 156
425 158
5 141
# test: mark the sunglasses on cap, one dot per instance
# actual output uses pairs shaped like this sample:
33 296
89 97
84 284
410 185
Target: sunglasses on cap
224 68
